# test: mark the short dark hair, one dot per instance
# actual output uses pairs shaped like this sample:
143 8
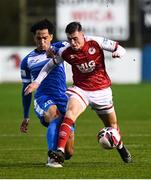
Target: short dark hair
72 27
43 24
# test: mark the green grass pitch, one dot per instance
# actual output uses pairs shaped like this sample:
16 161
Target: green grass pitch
23 156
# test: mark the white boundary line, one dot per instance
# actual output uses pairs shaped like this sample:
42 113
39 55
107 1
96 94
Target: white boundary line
83 135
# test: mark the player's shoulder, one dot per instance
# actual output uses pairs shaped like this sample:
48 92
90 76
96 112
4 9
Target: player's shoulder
60 44
30 54
24 61
94 38
61 47
100 40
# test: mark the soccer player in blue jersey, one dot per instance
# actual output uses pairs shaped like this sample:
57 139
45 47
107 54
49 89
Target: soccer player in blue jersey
49 100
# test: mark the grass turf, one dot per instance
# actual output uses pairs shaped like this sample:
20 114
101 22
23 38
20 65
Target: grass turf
23 156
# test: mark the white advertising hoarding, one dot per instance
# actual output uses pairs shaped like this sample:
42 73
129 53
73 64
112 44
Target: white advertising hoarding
10 58
125 70
98 17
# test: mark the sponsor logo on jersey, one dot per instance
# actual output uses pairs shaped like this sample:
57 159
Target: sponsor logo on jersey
34 60
87 66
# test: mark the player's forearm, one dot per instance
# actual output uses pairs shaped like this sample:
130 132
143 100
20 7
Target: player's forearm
26 102
114 47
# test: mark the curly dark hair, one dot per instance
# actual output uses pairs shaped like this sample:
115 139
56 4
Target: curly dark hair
43 24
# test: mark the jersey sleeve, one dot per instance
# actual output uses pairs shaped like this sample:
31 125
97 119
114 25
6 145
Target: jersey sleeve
26 79
106 44
52 63
26 101
25 72
56 46
64 46
112 46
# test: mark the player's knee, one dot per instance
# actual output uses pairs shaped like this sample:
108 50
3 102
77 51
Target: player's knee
71 114
73 111
51 114
48 117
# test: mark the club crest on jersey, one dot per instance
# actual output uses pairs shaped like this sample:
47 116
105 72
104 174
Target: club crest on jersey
72 56
86 67
91 50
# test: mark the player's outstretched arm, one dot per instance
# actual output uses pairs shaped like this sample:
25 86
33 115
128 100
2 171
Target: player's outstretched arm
24 125
43 73
111 46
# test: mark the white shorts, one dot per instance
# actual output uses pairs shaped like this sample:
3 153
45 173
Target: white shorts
100 100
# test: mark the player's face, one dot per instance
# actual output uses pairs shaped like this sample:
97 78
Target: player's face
76 40
42 39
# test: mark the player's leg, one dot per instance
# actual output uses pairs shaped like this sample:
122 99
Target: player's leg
52 138
76 105
102 103
110 120
51 112
62 106
48 114
53 118
52 133
69 148
74 109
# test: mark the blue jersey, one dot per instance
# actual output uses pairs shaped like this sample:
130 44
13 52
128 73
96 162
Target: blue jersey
53 85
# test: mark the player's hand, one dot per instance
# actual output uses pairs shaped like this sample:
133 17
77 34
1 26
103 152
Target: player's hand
116 55
119 53
50 53
31 87
24 125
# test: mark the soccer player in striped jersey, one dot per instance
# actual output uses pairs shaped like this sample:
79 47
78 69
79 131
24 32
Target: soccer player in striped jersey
91 83
50 99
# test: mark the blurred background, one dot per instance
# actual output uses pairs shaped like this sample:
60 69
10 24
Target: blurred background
126 21
23 156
